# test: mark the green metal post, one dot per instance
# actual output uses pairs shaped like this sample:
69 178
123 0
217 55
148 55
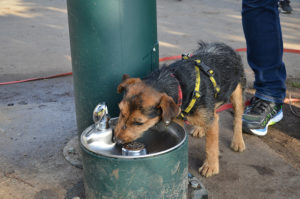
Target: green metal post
109 38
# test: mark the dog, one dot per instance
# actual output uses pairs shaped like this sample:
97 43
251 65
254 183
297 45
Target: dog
167 93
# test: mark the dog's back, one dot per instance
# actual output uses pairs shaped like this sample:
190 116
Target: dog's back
222 59
226 63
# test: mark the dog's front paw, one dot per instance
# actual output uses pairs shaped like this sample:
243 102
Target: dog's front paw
198 132
209 170
238 146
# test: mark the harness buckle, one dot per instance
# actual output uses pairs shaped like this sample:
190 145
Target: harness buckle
197 62
185 56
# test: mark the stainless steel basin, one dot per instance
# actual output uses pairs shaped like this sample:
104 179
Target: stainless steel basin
158 140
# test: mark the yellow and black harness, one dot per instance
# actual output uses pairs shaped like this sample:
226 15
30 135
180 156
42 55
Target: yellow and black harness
199 65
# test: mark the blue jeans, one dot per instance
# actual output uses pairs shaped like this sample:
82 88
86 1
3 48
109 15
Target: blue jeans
262 31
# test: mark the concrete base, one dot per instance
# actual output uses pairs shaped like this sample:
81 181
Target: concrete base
72 152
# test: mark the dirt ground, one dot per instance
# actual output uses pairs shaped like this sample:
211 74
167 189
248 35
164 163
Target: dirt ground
37 119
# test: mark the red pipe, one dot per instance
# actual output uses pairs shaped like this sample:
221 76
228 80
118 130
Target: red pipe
161 60
286 50
222 108
229 105
37 78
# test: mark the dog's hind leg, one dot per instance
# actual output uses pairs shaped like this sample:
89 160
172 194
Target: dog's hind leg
237 143
211 164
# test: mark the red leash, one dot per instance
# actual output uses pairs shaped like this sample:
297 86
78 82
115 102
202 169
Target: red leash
228 106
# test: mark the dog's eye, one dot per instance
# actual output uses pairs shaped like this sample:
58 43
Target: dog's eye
138 123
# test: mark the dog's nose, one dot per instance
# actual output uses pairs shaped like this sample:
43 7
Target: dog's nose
117 140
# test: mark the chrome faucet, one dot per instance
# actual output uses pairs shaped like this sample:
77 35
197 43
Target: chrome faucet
101 116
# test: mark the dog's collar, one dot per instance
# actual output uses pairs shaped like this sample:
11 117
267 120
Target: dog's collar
179 98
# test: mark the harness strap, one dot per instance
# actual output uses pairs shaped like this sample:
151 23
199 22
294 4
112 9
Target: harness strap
196 95
210 73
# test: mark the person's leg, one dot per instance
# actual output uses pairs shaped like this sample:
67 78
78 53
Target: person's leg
264 48
264 53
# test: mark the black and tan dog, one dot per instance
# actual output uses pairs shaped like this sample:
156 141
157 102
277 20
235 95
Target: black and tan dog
190 89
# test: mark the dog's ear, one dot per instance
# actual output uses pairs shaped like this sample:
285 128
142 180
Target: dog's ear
127 81
169 108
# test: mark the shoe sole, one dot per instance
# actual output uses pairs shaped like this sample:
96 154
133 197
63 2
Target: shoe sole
286 12
264 131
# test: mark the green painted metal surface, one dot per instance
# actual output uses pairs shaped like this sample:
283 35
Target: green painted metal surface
162 176
109 38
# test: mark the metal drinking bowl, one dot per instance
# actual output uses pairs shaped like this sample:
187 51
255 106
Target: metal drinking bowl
157 140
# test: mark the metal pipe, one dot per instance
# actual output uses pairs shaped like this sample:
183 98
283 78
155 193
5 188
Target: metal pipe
107 39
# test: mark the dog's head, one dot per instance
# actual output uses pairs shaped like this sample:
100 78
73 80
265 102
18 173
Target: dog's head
141 108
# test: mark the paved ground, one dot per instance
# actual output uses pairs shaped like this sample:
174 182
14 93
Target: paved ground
37 119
